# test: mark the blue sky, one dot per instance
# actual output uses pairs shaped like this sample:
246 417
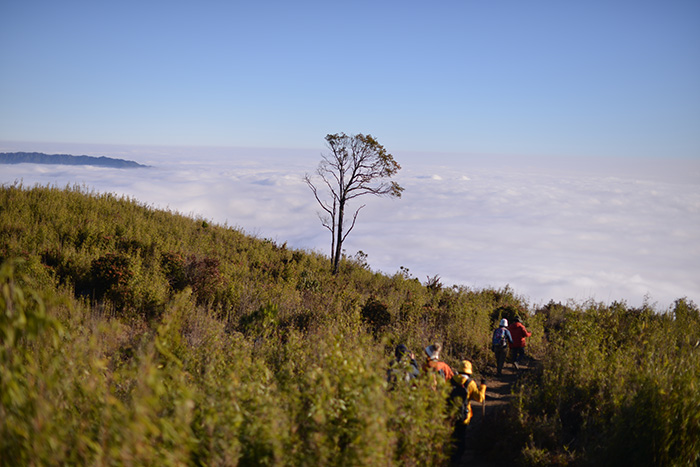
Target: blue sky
575 78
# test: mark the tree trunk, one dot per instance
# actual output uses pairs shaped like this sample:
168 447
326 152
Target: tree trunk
339 238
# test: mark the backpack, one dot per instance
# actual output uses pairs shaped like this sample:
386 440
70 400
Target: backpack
499 338
463 413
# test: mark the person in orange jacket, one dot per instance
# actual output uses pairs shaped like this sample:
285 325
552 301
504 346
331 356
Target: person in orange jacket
433 363
464 390
519 334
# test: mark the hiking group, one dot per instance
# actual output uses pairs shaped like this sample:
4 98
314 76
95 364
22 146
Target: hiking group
511 337
464 388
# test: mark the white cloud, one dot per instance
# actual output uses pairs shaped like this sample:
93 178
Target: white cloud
550 232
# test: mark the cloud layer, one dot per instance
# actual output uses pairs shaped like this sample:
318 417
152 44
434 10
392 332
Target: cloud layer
551 230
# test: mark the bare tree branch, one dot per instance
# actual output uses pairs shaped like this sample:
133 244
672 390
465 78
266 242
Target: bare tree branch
354 218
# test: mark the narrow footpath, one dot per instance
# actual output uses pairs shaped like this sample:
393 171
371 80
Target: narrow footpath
498 396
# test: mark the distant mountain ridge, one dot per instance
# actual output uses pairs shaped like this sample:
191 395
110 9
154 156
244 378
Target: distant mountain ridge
66 159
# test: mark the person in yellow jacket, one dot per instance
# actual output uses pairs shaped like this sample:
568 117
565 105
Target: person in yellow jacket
464 390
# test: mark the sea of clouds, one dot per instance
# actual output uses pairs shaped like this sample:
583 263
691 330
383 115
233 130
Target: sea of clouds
550 229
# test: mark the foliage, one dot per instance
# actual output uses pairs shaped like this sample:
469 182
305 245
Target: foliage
130 335
376 314
111 275
617 385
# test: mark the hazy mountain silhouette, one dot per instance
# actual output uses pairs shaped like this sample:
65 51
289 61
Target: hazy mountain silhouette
66 159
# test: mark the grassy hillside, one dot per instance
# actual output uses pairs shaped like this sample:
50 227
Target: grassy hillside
138 336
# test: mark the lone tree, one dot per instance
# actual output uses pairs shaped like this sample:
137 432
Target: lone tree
356 165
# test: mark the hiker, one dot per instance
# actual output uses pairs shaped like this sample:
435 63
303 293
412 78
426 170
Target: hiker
464 390
401 368
517 348
434 365
500 341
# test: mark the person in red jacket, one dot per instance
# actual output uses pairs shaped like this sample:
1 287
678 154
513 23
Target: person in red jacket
519 335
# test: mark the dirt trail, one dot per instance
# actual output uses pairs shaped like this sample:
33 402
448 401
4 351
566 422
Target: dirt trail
498 388
498 395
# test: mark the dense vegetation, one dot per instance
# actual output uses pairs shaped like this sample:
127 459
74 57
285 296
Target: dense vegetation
137 336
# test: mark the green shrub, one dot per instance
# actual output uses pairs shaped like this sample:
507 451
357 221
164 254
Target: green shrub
111 277
376 315
621 385
229 350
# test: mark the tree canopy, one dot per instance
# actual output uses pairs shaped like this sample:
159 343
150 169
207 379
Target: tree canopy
355 165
